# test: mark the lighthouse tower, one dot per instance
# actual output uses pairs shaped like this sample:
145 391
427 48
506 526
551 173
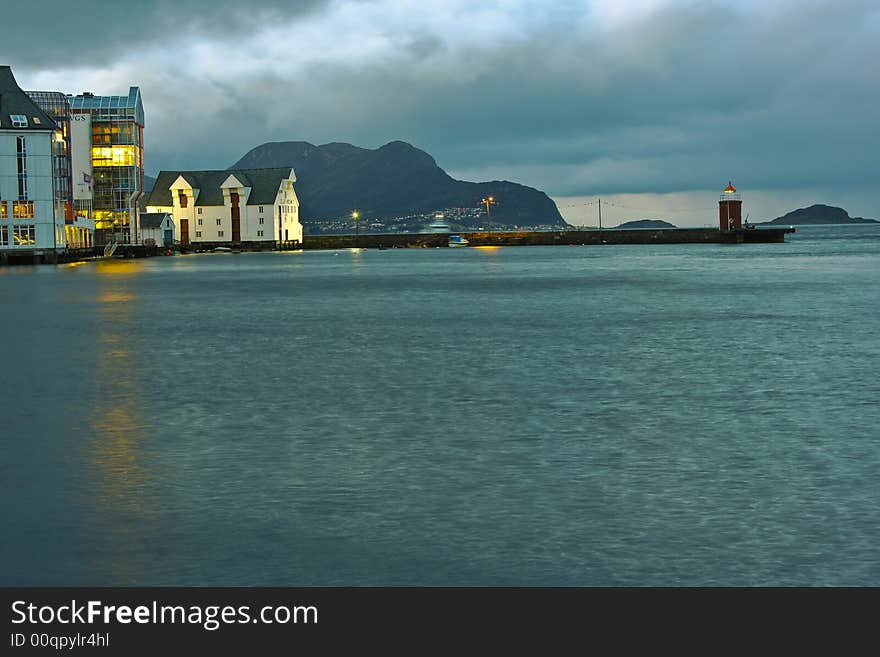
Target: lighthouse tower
730 209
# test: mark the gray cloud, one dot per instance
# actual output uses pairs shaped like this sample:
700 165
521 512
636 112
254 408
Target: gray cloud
85 32
773 95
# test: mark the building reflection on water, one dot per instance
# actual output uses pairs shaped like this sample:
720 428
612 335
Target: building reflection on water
115 447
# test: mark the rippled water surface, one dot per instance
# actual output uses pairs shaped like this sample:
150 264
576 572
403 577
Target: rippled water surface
615 415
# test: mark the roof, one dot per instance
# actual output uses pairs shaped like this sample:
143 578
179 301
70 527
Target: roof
14 101
153 219
107 106
730 188
264 185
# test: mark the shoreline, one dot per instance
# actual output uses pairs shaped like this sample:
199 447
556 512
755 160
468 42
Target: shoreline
430 240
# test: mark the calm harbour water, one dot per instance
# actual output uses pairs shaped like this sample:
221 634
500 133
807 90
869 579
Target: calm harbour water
616 415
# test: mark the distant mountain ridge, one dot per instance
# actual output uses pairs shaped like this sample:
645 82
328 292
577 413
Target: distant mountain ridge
395 180
819 214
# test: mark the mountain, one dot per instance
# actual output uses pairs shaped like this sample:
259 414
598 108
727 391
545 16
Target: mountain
647 223
396 183
819 214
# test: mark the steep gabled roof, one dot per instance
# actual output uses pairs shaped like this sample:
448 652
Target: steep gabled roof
264 185
14 101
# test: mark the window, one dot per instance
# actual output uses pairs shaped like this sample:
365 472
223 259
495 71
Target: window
23 209
18 120
259 233
114 156
4 235
4 210
198 233
219 222
261 221
21 159
200 212
181 198
200 222
23 235
261 209
219 233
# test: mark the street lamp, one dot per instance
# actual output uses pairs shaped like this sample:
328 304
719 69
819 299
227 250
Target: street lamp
356 216
488 201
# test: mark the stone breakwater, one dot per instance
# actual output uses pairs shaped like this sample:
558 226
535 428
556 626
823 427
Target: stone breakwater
550 238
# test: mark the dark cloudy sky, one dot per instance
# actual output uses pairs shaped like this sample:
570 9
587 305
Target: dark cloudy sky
652 104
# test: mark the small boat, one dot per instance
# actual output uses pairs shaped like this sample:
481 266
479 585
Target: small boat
457 240
222 249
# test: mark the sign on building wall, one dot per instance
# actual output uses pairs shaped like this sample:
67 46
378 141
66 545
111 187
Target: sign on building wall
81 156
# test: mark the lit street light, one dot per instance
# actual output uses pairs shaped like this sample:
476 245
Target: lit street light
488 201
356 216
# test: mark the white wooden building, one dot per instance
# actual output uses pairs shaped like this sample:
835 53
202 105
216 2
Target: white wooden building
157 228
256 206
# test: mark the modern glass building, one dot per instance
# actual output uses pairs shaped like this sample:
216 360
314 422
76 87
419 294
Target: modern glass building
57 106
117 161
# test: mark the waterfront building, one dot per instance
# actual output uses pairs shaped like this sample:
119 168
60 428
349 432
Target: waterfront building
35 212
157 228
230 206
108 178
69 149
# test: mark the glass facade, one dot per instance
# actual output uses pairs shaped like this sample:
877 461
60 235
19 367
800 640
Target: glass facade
57 105
117 161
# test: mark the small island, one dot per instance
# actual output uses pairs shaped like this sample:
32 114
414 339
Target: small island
647 223
818 214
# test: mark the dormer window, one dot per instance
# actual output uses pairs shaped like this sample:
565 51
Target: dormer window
181 198
18 120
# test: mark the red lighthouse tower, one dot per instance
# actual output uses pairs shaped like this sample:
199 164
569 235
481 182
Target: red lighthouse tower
730 209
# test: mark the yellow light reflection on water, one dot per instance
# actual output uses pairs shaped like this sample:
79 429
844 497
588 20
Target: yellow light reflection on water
119 266
116 296
119 477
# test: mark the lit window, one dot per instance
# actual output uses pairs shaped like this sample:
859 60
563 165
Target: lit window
22 209
18 120
4 210
24 235
113 156
37 120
